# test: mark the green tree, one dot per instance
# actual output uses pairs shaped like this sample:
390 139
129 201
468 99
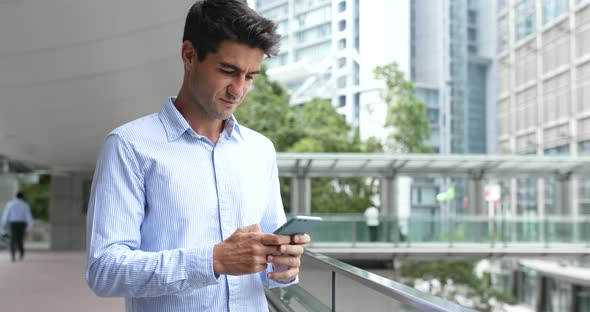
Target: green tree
37 195
407 117
462 273
266 110
314 126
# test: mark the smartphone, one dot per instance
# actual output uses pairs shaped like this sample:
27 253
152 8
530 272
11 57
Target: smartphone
298 225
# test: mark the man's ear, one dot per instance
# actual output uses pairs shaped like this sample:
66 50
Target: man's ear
188 54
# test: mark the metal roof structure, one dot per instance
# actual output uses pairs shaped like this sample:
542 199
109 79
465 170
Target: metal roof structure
361 165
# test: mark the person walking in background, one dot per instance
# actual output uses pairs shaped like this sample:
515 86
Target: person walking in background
372 218
17 213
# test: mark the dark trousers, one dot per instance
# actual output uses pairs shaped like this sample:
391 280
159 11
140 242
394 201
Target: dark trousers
17 235
373 233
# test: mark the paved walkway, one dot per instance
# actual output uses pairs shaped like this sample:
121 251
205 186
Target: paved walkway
49 281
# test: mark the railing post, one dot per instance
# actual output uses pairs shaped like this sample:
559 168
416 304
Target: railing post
354 233
333 291
545 231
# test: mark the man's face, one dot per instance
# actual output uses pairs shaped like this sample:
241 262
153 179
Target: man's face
220 82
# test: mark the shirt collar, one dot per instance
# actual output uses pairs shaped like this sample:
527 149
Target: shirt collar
175 124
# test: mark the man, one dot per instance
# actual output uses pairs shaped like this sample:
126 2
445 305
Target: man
183 201
372 219
18 214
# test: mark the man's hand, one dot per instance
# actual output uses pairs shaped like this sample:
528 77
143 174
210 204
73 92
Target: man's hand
245 251
287 262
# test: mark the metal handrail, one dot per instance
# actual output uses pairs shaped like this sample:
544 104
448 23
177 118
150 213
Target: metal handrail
402 293
394 290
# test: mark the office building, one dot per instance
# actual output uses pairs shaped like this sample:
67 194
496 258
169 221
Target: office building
544 96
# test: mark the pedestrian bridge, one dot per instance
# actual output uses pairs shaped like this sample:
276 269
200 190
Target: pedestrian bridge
347 237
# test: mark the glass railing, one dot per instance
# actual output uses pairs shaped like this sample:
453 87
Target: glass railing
326 284
351 231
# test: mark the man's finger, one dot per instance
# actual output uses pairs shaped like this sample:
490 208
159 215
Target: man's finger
271 250
273 239
290 262
284 276
292 250
301 239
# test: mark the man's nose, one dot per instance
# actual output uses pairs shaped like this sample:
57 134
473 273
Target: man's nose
236 88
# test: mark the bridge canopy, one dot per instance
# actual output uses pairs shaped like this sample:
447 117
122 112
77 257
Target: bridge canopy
363 164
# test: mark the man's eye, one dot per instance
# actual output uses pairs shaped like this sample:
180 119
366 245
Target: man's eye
227 72
250 77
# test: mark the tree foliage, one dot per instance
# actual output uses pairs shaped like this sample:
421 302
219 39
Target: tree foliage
407 117
37 195
460 272
314 126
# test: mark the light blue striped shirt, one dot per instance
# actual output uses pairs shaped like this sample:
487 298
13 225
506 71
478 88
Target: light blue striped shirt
161 197
17 210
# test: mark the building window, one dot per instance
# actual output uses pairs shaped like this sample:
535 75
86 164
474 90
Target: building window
313 52
553 9
526 196
342 44
584 189
556 98
315 33
583 87
276 13
525 18
263 3
550 205
342 101
302 5
283 27
502 33
317 16
342 6
356 73
275 61
357 106
472 34
472 15
342 25
502 4
341 62
341 82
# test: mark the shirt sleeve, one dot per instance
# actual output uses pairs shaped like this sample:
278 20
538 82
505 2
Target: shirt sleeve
116 267
273 218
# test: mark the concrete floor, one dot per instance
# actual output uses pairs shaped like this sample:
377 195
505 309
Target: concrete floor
49 281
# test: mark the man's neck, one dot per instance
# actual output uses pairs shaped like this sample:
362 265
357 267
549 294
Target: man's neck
199 120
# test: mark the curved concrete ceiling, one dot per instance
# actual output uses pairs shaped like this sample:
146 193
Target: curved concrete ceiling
71 71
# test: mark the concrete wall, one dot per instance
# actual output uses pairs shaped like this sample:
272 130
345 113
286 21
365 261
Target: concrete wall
67 210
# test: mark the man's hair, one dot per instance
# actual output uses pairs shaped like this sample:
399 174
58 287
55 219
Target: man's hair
211 22
20 195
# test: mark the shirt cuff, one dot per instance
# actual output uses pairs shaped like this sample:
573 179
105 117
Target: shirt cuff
199 266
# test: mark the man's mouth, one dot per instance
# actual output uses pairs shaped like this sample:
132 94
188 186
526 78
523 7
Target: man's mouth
229 101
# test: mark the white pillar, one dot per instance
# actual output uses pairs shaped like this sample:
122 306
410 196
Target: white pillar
300 195
389 206
476 203
67 210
